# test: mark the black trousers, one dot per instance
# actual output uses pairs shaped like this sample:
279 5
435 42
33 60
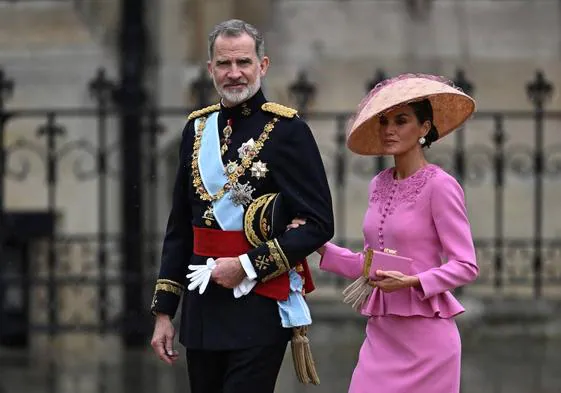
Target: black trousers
250 370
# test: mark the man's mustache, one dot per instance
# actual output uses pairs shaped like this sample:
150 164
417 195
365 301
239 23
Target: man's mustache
236 82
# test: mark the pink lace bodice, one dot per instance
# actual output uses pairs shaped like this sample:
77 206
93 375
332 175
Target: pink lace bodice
390 193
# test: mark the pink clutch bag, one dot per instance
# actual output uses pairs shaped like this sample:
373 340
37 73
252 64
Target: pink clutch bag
387 260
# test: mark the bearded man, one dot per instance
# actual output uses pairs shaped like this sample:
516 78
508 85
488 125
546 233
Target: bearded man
247 167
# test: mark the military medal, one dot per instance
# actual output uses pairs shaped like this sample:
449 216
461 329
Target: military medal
241 194
231 168
227 133
247 152
259 169
247 149
208 215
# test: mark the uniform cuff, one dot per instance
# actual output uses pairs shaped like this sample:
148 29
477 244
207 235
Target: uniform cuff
165 303
248 267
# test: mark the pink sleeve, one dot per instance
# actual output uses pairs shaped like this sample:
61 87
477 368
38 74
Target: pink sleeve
342 261
452 225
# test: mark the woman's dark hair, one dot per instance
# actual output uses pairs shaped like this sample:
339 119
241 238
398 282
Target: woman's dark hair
423 112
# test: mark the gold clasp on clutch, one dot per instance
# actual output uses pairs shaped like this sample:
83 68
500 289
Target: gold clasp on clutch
368 254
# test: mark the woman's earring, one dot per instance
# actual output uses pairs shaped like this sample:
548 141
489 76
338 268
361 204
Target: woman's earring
422 140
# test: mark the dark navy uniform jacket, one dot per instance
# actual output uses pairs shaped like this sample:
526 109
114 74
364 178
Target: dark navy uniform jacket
216 320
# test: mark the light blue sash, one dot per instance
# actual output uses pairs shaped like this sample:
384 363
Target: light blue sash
294 311
213 175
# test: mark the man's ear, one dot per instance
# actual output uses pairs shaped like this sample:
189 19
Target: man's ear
264 65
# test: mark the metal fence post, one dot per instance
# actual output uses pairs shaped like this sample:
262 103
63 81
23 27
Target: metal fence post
131 97
101 90
6 89
539 91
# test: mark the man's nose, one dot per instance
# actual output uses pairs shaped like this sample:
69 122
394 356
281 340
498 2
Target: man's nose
234 72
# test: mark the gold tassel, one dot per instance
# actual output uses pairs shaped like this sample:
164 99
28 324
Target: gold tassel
297 346
304 364
310 364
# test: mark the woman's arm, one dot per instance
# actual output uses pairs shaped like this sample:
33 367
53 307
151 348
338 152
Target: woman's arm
452 225
342 261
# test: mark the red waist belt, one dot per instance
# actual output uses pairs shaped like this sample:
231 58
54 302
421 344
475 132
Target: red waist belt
216 243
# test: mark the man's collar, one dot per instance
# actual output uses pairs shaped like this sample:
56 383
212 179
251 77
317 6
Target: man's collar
244 109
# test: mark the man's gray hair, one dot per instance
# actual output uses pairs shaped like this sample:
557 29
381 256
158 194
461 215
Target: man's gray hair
235 28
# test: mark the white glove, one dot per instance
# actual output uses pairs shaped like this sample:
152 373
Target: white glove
200 275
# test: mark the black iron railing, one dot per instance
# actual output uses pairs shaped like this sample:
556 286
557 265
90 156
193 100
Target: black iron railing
69 268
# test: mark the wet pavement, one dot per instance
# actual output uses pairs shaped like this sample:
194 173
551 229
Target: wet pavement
513 365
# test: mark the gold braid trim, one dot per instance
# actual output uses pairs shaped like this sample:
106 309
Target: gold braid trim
249 218
263 220
204 111
174 283
281 252
279 258
166 286
169 288
279 109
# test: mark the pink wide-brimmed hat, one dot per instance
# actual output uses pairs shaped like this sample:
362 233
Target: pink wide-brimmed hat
451 108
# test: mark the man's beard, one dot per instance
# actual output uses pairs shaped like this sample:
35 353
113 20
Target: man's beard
237 98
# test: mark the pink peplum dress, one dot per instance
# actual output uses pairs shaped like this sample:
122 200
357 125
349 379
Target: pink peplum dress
412 343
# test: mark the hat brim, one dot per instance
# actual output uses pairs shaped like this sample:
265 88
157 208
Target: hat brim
451 108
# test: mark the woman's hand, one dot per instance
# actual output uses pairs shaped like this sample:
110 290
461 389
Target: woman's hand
393 280
296 222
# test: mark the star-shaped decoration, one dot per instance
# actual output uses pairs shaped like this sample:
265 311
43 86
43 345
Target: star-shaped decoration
241 194
246 148
231 167
259 169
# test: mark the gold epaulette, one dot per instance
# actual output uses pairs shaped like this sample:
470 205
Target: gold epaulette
279 109
204 111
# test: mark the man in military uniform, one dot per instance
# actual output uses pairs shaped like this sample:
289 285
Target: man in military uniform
236 158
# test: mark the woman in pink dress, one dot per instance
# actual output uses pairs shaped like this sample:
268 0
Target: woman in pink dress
412 342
